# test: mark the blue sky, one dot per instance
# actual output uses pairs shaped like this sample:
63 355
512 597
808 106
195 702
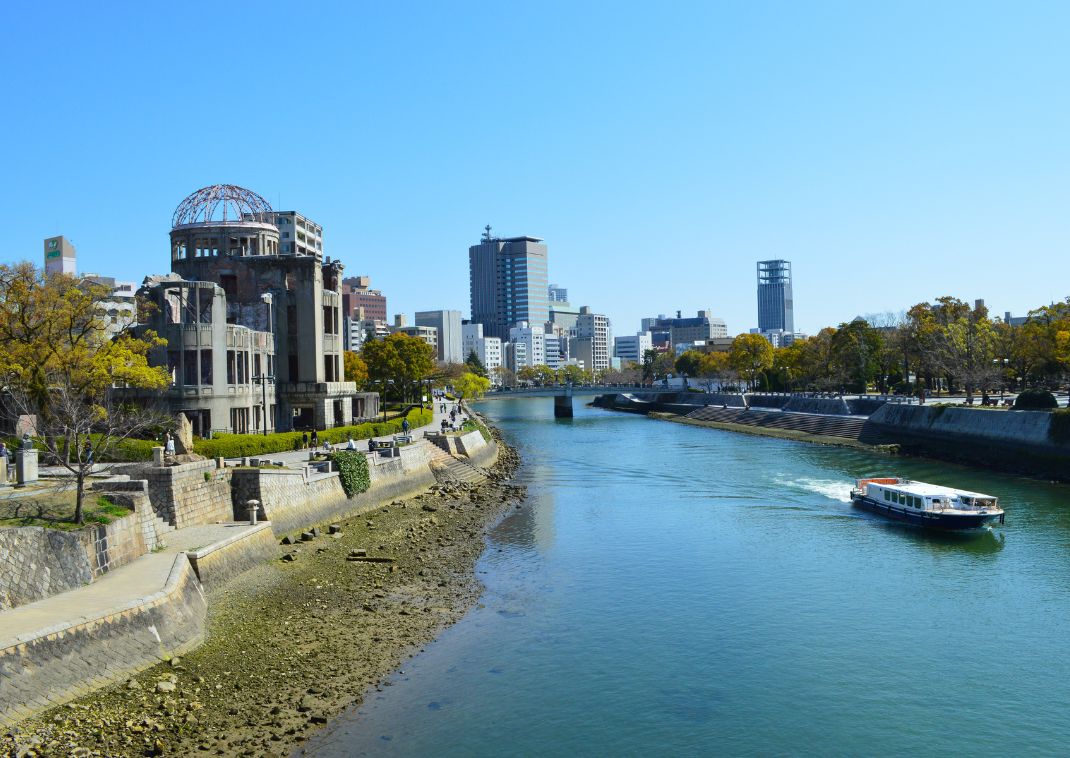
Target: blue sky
894 152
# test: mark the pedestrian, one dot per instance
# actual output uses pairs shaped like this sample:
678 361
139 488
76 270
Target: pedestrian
405 425
88 450
169 444
351 445
4 455
304 439
315 438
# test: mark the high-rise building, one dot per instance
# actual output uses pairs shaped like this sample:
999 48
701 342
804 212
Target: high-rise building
60 256
775 305
357 293
508 283
558 294
448 324
698 329
631 348
592 341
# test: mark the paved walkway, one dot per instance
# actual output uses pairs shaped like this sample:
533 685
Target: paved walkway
122 588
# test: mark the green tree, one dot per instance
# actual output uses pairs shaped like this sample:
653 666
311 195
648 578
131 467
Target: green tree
475 365
750 355
472 385
354 369
61 365
855 348
400 359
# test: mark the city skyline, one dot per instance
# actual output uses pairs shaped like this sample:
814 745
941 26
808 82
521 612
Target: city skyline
709 138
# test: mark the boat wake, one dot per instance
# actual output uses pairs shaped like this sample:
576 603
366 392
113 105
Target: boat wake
833 489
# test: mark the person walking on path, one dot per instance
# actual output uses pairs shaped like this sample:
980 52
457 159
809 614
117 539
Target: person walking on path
405 425
169 444
315 439
304 440
88 449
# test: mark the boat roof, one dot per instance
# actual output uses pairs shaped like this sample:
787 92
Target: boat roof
931 490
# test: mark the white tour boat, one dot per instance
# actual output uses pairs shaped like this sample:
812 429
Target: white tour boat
928 505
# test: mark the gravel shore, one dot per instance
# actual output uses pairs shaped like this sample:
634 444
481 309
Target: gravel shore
293 642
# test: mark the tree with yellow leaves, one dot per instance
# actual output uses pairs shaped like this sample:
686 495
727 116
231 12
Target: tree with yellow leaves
60 366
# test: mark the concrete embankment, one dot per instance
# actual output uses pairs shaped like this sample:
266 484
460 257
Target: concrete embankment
127 623
1019 441
1022 441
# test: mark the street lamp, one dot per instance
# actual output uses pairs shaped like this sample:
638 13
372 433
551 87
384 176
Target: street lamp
262 380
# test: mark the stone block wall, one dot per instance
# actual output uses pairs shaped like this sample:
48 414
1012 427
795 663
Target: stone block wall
69 661
292 501
36 563
191 493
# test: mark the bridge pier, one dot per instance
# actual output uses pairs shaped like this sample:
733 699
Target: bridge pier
563 404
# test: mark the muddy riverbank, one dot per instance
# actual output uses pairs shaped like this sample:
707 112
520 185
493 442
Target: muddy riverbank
293 642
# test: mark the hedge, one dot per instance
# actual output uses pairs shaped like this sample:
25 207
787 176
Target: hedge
1035 399
243 445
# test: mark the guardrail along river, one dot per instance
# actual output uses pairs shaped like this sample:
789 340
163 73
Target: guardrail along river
673 590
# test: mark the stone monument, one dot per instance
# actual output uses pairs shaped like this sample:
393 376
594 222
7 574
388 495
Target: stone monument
183 435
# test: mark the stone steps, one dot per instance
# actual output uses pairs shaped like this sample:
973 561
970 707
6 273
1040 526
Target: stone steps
447 468
847 427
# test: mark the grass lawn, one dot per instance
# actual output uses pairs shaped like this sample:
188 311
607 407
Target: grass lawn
55 510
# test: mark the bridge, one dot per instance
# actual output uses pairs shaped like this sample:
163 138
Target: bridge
577 389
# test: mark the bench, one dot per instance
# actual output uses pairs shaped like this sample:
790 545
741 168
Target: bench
402 439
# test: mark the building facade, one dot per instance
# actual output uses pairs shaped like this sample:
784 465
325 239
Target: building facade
698 329
60 256
487 349
360 301
775 303
593 339
528 346
235 291
507 280
631 348
448 324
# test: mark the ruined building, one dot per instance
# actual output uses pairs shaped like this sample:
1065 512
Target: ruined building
253 321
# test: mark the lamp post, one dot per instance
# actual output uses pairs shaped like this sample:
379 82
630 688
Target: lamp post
262 380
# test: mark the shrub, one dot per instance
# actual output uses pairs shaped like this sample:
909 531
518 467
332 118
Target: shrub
247 445
352 471
1035 400
1059 431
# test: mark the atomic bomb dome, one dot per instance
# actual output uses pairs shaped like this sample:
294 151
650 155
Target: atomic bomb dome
222 204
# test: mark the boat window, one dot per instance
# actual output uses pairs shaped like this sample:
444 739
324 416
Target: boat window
887 496
902 499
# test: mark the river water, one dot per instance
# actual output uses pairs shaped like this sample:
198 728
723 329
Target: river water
673 590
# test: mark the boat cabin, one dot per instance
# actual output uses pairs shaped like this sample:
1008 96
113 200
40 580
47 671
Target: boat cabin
922 496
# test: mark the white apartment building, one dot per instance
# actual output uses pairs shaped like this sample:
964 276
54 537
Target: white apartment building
487 349
529 345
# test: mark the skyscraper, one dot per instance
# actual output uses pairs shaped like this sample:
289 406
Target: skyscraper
508 283
775 306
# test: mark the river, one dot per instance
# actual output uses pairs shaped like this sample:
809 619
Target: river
674 590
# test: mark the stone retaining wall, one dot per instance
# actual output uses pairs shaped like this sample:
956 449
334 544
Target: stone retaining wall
216 564
71 660
183 496
291 501
1011 440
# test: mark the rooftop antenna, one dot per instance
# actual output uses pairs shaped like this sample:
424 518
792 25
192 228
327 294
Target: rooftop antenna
486 233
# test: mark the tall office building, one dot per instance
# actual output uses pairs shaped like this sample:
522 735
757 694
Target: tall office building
775 306
448 324
529 345
508 283
632 348
59 256
558 294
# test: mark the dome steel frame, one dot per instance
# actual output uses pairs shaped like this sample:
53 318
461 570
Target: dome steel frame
233 203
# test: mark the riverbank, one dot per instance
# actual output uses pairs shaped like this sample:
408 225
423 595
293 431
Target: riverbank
783 434
291 643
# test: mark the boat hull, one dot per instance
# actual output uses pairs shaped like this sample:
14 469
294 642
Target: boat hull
926 519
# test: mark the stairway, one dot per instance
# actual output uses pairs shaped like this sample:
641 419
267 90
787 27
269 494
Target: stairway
847 427
449 469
